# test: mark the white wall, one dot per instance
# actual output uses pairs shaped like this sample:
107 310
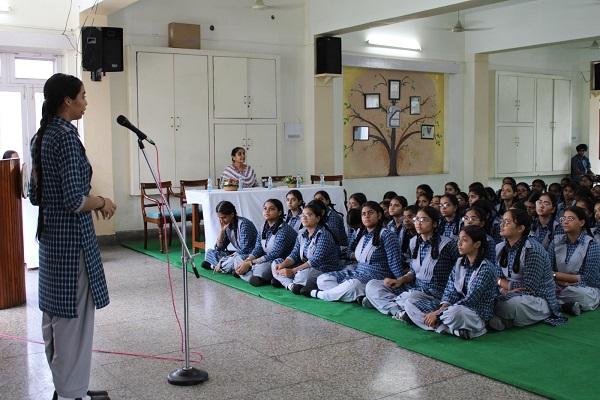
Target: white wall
237 28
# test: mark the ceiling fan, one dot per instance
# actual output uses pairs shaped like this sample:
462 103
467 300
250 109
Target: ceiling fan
260 5
458 27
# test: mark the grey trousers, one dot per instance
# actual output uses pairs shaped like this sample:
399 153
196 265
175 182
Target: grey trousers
347 291
451 320
523 310
69 342
587 297
262 270
386 300
307 276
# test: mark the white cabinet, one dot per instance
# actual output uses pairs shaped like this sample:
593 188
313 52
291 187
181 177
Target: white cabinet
516 98
533 137
244 88
172 108
259 140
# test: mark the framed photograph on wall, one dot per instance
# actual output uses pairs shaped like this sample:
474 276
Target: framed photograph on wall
427 131
415 105
394 89
360 133
371 100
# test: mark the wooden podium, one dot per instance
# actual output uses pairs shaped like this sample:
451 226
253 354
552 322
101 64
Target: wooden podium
12 269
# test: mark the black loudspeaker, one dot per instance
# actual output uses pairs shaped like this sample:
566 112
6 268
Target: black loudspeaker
328 55
102 49
596 75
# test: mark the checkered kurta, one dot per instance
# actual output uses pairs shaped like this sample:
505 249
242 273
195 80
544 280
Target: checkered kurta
284 241
67 232
335 223
445 262
545 234
326 256
246 237
589 270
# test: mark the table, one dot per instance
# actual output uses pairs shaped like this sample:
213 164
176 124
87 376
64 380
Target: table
249 203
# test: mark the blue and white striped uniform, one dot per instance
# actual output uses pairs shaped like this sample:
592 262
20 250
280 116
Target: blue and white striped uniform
285 238
295 221
449 229
431 275
243 241
545 234
325 254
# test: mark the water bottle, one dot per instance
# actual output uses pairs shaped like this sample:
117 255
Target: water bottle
298 181
209 185
322 180
240 185
270 183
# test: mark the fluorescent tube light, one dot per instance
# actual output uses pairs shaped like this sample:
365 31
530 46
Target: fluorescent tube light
394 43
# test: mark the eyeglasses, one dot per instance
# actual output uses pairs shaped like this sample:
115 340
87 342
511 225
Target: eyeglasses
543 203
505 222
421 219
470 219
446 205
566 219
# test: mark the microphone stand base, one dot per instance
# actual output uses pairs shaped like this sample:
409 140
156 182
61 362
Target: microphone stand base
187 376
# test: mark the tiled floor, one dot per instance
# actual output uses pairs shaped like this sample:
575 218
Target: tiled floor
252 348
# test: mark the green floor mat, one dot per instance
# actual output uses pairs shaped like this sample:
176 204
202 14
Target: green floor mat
558 362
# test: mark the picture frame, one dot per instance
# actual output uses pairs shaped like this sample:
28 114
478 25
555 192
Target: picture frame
394 89
415 105
427 132
371 101
360 133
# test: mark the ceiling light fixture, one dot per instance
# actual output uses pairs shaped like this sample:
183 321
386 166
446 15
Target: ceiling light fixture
394 43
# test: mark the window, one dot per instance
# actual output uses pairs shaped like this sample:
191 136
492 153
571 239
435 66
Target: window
31 68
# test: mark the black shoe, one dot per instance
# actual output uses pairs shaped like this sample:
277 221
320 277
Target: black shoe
98 394
276 283
55 396
296 288
359 300
464 333
206 265
257 281
235 275
571 308
305 291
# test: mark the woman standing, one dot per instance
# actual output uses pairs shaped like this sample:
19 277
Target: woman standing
238 169
277 240
71 277
575 258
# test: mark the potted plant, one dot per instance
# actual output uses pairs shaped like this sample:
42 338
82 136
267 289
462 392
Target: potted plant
291 181
230 184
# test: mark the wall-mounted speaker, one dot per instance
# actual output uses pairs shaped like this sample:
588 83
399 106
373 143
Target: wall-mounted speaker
595 70
328 51
102 49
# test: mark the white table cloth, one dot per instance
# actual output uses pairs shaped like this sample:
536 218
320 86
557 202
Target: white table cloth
249 203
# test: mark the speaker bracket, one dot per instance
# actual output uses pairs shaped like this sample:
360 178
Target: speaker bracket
326 78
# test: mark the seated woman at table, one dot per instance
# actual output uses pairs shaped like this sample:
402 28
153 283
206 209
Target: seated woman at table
377 254
432 259
468 300
276 241
315 252
333 219
575 258
295 202
235 230
239 170
527 289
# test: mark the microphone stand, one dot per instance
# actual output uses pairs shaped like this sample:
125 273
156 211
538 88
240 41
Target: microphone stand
186 376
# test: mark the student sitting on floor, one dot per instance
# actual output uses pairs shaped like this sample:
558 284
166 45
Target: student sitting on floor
432 259
468 300
477 216
377 253
295 202
315 252
277 240
596 229
406 234
575 258
449 224
545 226
333 219
356 200
235 230
396 211
354 224
527 287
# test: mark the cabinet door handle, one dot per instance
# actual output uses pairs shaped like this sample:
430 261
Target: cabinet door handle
249 143
245 99
172 122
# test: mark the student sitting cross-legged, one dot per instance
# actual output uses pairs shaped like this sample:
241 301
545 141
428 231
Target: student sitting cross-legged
527 289
432 259
238 231
276 240
377 254
575 258
468 300
315 252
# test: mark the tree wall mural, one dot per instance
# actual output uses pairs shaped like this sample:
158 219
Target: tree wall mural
400 150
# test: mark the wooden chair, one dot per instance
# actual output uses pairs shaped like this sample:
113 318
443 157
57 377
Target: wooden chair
328 178
276 179
197 216
150 197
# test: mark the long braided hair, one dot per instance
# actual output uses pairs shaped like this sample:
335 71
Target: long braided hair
378 227
434 215
56 89
279 206
520 218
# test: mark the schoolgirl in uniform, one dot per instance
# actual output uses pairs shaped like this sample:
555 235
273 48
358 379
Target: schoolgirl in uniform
568 196
575 259
423 200
585 203
295 202
523 191
276 241
424 189
477 216
468 299
449 224
356 200
354 224
476 193
451 188
545 227
596 229
235 230
530 204
315 251
436 201
526 286
396 211
333 219
508 194
377 254
432 259
539 186
463 202
556 190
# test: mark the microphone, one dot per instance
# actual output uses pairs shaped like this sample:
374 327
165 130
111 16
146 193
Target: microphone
123 121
